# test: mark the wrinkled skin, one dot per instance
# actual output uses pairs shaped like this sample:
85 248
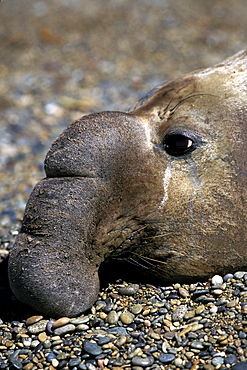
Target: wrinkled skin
163 186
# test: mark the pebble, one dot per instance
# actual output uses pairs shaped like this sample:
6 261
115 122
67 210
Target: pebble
79 320
28 366
166 358
62 330
217 280
183 292
38 327
228 277
142 361
140 331
60 322
82 327
129 290
74 362
112 317
197 345
127 317
42 337
33 319
239 274
136 309
118 330
179 313
240 366
217 361
231 359
217 291
92 348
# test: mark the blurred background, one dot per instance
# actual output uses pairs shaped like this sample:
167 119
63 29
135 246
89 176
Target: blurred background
60 59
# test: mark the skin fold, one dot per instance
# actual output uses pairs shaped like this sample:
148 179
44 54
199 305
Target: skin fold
163 186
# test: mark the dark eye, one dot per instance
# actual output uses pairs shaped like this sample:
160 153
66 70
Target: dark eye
180 143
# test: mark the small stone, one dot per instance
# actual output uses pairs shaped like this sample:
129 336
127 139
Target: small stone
154 335
51 356
217 360
38 327
189 314
240 366
82 327
112 317
74 362
189 355
183 292
16 364
89 366
196 344
54 362
104 340
227 277
28 366
121 340
221 302
127 317
178 361
19 330
61 322
217 280
179 313
49 326
239 274
231 359
222 337
200 309
102 315
147 323
165 346
186 330
42 337
136 309
119 330
46 344
35 343
62 330
196 326
217 291
130 289
79 320
33 319
169 335
213 310
146 312
27 341
142 361
166 358
92 348
208 367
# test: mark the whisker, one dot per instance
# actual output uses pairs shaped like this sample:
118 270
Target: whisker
187 97
158 236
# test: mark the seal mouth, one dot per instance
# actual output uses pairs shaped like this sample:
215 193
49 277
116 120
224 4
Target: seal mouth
133 266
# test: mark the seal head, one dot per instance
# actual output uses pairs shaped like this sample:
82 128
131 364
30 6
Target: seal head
163 186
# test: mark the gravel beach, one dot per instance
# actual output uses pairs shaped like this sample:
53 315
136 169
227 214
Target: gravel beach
59 60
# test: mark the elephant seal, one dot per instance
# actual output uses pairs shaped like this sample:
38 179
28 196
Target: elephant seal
163 186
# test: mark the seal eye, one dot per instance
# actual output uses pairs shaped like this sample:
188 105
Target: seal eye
179 143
